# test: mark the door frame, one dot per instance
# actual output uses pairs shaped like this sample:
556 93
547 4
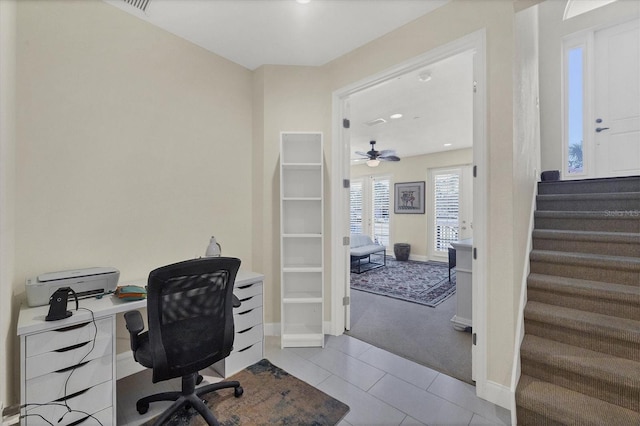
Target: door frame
340 172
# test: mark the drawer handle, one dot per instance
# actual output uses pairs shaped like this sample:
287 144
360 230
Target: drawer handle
245 299
72 327
245 330
245 349
70 348
82 364
245 312
77 422
246 286
73 395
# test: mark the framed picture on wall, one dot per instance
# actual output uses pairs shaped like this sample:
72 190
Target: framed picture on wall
409 198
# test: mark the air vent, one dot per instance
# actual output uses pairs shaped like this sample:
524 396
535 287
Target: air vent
376 121
138 4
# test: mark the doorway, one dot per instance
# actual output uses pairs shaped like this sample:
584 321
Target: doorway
602 102
474 43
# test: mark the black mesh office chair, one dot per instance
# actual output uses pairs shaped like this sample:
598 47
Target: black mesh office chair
190 317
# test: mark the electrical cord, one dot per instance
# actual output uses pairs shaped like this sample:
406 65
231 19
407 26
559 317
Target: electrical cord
64 401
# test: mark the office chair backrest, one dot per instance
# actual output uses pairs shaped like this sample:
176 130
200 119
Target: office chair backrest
190 315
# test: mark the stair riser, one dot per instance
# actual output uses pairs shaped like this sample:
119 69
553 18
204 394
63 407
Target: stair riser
623 394
603 225
586 272
629 309
557 332
531 418
615 206
604 186
593 247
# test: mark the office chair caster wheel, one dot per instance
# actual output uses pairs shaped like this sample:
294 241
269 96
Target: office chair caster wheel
238 392
142 407
199 379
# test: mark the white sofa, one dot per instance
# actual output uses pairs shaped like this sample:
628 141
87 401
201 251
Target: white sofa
362 248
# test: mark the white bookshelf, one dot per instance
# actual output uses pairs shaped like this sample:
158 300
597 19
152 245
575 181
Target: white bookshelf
302 237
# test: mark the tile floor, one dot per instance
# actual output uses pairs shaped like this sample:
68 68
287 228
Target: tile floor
380 388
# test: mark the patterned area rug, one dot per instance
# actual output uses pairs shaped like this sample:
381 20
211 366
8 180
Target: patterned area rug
271 397
426 283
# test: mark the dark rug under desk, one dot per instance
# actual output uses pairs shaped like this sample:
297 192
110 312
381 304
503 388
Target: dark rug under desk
271 396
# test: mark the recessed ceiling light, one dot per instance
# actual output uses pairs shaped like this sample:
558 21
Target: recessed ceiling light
394 116
448 144
303 1
424 76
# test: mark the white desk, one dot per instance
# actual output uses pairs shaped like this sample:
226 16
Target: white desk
51 350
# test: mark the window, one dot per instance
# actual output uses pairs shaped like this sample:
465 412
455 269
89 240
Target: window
447 209
355 212
381 211
574 134
369 208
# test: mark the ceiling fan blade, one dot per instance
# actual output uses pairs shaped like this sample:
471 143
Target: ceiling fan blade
387 152
389 158
362 153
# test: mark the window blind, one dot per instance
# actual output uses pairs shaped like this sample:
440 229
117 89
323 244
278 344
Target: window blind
447 209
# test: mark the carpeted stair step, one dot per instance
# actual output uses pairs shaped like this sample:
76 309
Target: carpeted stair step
614 202
542 403
603 376
605 185
605 221
612 269
592 296
607 243
597 332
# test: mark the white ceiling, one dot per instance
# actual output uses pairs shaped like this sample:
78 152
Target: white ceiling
434 112
283 32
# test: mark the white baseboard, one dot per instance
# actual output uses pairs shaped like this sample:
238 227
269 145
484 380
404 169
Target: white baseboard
498 394
418 258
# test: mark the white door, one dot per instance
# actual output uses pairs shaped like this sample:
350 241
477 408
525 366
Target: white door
616 107
451 211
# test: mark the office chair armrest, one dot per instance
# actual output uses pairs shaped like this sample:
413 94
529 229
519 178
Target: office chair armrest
135 325
236 302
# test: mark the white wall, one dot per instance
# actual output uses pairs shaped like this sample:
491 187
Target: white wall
7 181
552 31
413 228
134 146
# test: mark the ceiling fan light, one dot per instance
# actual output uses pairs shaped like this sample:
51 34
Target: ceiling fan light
373 163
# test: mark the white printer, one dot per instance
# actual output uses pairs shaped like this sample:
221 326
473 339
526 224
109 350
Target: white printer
85 282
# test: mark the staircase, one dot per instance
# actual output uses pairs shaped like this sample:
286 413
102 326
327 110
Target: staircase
580 356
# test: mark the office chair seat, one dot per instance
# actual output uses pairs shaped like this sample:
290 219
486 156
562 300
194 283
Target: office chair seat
190 312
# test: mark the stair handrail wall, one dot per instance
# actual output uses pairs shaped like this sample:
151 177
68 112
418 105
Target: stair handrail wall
526 268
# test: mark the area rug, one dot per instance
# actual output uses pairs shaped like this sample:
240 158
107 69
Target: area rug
271 397
426 283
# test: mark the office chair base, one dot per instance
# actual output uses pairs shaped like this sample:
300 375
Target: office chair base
188 397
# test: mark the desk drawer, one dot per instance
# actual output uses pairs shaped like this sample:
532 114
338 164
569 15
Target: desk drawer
247 337
245 320
91 400
242 359
248 290
50 387
248 304
52 340
57 360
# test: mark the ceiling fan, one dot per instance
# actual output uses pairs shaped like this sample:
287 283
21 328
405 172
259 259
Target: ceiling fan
373 157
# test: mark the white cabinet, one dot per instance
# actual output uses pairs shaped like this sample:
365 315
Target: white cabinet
462 319
302 237
69 366
248 340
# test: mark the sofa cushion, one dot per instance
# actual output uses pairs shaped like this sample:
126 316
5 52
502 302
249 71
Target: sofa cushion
360 240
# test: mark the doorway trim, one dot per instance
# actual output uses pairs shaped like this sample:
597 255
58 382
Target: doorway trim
340 171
